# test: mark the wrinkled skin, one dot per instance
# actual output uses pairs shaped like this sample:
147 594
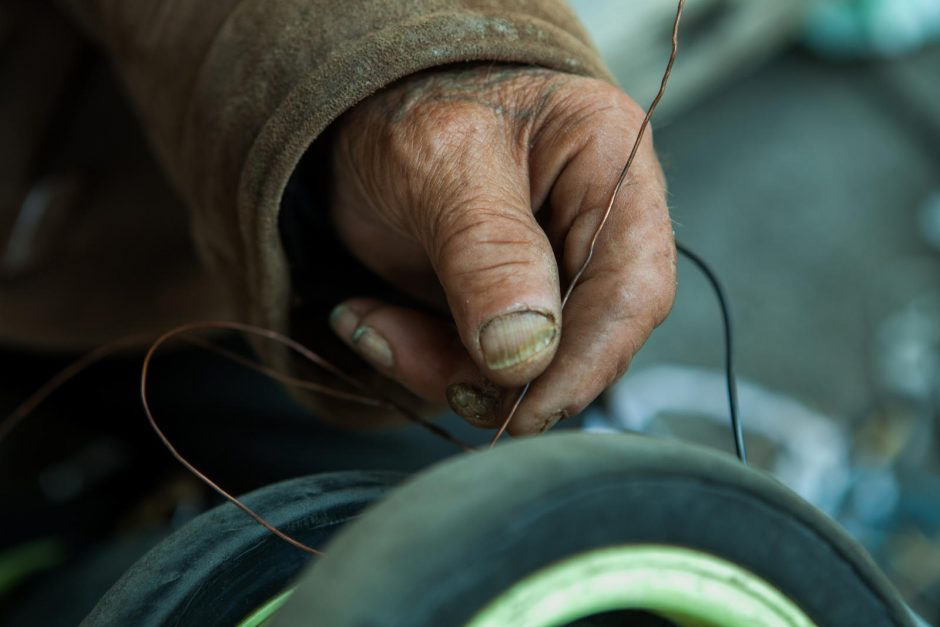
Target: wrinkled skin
478 189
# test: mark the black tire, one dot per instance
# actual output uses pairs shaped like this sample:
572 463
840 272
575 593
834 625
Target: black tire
223 565
439 549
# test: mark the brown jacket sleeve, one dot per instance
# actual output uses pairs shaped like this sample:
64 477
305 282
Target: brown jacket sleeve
233 92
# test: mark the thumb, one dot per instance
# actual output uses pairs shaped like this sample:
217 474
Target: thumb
497 268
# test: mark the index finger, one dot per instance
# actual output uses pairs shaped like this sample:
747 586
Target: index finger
629 286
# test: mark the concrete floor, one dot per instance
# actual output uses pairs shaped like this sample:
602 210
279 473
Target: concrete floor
801 183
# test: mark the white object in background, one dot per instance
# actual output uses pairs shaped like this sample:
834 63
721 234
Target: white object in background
813 456
718 41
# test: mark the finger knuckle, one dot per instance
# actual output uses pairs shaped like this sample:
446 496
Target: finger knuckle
595 104
475 241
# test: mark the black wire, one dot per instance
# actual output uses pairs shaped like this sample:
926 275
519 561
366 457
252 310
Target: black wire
731 378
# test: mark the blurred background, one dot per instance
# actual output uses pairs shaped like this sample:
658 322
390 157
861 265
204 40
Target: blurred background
801 141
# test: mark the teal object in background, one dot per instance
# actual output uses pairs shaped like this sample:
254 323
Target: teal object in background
872 28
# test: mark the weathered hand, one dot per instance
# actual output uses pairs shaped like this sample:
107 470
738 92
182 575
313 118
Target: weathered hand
481 187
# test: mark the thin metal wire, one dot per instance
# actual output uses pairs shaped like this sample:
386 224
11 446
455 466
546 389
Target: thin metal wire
737 429
610 205
65 375
198 473
282 378
367 396
179 333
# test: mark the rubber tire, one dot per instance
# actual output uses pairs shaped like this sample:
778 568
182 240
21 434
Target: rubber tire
440 548
223 565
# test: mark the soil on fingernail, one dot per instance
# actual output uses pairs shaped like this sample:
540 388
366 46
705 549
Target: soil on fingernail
474 403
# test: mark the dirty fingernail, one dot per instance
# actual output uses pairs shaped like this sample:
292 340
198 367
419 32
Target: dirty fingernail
553 420
372 346
365 339
514 338
473 403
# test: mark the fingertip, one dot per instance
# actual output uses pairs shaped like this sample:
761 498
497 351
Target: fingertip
343 320
527 425
478 404
370 343
416 349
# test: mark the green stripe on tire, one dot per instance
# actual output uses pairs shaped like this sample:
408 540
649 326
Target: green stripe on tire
261 616
691 588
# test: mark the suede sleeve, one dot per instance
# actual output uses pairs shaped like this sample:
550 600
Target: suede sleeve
233 92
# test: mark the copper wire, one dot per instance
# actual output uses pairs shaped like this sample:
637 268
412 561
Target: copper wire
610 205
280 377
65 375
180 333
190 467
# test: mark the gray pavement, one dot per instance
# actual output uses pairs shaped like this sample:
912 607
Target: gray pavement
801 183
